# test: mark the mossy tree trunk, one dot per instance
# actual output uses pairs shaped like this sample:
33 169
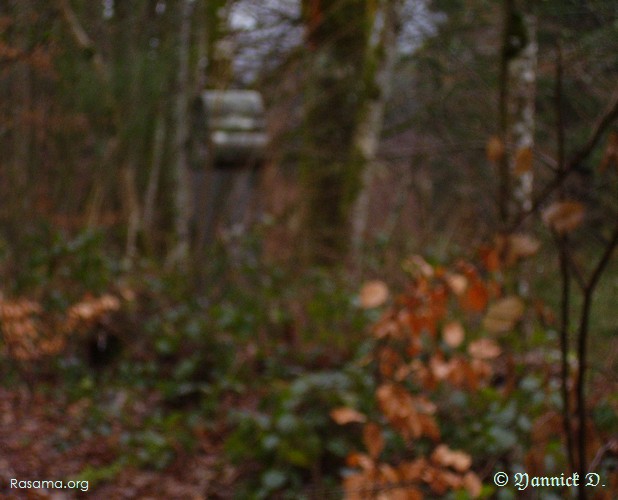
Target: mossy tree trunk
336 36
378 72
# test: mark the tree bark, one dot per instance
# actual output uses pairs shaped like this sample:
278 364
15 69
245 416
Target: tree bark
152 186
179 254
337 37
379 66
522 75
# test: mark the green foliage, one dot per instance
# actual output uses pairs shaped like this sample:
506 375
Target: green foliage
66 267
97 475
293 438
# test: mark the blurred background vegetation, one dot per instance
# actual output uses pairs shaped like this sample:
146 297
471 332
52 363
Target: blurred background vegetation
411 289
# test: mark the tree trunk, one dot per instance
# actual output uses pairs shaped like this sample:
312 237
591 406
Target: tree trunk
152 186
518 68
337 38
522 75
179 254
379 66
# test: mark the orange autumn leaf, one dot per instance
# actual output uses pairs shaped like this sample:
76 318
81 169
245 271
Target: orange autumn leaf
418 267
514 247
484 349
457 283
494 149
490 258
453 334
444 456
373 439
412 471
475 298
360 460
345 415
503 314
373 294
523 161
610 157
472 484
564 216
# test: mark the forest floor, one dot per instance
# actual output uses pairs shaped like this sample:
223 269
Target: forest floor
42 438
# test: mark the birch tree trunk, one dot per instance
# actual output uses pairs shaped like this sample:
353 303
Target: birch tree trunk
379 66
179 254
522 71
517 95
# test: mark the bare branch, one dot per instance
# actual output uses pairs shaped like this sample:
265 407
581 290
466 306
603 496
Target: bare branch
82 39
603 123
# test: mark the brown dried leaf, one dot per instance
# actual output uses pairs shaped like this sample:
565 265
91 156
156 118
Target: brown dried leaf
458 460
418 267
373 439
484 349
457 283
345 415
453 334
523 161
412 471
520 246
429 427
360 460
503 314
564 216
475 297
610 157
494 149
440 369
472 484
373 294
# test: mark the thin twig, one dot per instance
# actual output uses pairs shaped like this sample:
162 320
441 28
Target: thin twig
565 299
582 347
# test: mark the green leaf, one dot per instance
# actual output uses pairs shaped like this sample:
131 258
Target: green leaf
273 479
